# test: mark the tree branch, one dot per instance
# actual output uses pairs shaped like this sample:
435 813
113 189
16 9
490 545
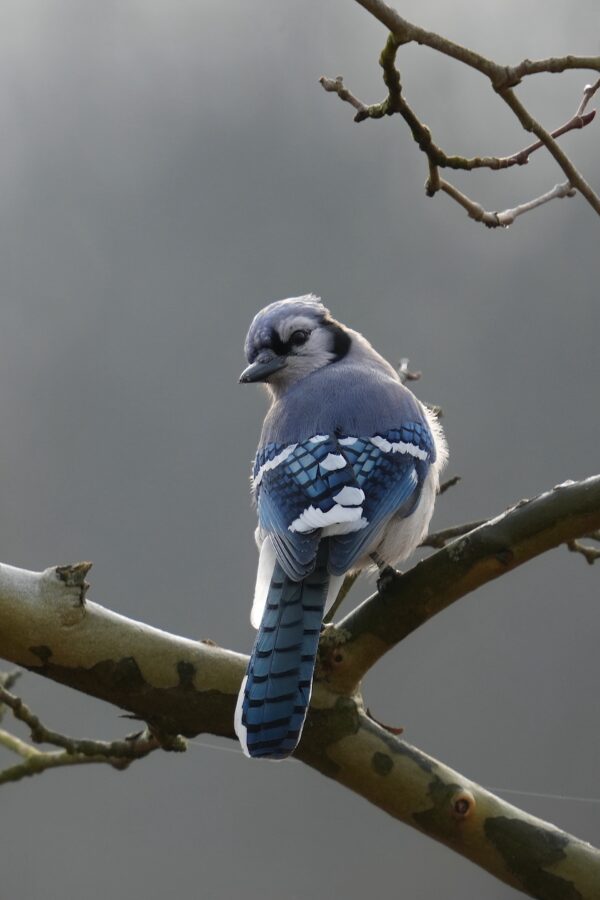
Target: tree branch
439 539
395 103
169 682
506 217
449 483
575 178
118 754
405 32
405 602
579 120
503 80
519 849
591 554
180 686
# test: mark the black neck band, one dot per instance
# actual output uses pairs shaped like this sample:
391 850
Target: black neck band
341 339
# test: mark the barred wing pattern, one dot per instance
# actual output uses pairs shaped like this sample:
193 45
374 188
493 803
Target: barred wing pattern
343 487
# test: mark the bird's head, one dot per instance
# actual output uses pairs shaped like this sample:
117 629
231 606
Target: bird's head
289 339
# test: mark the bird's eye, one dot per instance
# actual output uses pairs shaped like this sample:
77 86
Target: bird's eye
299 337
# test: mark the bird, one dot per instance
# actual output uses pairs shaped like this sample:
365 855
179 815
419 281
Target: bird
345 479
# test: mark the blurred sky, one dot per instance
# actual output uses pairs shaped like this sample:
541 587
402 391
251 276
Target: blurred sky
167 168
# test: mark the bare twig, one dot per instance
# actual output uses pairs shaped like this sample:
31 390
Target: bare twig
449 483
7 680
119 754
16 745
503 80
343 593
506 217
588 92
438 157
577 121
405 373
591 554
552 66
438 539
575 178
500 75
336 86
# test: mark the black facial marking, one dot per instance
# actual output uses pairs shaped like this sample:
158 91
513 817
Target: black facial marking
341 339
284 348
280 347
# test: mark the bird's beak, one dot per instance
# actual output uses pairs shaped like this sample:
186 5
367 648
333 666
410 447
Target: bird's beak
265 365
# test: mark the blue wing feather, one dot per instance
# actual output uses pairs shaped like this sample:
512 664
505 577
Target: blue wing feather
384 498
389 469
302 480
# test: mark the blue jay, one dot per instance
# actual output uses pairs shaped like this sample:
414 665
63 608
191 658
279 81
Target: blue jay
345 478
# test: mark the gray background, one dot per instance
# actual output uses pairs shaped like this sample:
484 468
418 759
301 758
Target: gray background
166 169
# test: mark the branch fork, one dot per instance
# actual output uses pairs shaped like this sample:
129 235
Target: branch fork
186 687
503 80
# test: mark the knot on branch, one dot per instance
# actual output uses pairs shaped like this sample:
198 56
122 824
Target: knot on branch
506 77
425 142
73 576
462 805
331 656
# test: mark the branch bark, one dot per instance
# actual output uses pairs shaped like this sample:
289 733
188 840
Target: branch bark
521 850
405 602
186 687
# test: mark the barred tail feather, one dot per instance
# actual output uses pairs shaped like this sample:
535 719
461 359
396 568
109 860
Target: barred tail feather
275 693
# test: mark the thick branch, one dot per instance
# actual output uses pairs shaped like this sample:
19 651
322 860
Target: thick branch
172 683
521 850
182 686
439 539
405 602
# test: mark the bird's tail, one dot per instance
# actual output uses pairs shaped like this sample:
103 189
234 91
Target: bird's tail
275 693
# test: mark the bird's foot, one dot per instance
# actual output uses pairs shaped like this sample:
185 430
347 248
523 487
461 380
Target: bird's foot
387 576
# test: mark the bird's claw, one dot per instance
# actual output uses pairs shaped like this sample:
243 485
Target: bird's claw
387 576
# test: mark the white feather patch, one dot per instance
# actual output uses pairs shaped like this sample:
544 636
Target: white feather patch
273 463
240 728
345 527
318 438
347 441
398 447
333 461
350 496
312 517
266 564
295 323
